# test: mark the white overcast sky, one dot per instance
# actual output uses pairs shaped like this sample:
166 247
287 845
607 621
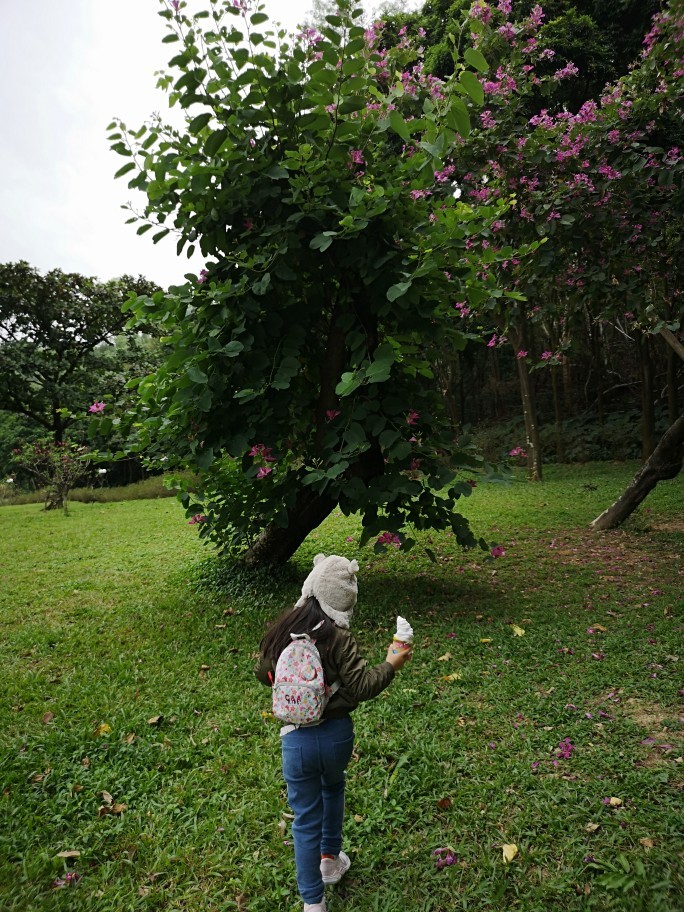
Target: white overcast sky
70 67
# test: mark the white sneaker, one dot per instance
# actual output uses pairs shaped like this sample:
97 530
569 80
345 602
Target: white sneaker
316 907
334 869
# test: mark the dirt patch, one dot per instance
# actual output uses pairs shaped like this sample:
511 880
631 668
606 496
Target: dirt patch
671 525
648 715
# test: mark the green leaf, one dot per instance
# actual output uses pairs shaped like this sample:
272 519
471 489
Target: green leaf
277 172
197 375
472 85
215 141
322 241
233 349
126 168
398 125
350 381
398 290
258 18
476 59
351 104
199 122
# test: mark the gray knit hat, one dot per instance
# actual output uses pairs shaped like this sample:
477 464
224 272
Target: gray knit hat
332 582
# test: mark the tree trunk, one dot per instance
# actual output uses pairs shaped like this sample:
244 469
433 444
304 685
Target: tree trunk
672 386
648 441
560 442
276 545
534 457
665 462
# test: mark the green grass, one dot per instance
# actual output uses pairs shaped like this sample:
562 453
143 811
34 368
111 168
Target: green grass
116 615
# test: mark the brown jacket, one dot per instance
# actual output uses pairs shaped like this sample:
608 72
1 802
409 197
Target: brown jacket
342 662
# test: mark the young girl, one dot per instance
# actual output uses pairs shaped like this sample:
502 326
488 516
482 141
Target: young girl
315 758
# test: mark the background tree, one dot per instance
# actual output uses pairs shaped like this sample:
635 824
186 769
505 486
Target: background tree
299 377
54 332
55 468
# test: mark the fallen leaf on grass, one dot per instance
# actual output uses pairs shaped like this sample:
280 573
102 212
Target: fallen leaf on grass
358 818
107 798
485 640
38 777
110 809
517 631
129 739
647 842
155 720
613 802
444 803
47 718
70 853
445 657
592 827
455 676
102 729
510 850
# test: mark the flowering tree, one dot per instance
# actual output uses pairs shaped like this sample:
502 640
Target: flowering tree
55 333
602 187
312 178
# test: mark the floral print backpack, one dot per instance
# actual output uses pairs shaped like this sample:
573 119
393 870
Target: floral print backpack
300 691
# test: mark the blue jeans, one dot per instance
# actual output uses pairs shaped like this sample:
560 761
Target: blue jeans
314 764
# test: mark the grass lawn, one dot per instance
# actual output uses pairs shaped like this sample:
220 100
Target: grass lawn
133 732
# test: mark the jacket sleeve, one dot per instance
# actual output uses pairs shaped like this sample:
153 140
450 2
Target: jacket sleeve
262 669
359 680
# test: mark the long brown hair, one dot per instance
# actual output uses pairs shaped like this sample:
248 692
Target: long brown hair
297 620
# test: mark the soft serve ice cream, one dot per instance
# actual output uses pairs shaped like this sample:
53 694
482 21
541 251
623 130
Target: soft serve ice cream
403 638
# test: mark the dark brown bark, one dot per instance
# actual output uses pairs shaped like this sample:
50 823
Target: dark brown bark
648 437
276 545
664 463
533 442
558 417
672 385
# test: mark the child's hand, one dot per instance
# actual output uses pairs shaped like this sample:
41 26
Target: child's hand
398 657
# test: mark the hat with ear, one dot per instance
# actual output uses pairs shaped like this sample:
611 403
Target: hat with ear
332 582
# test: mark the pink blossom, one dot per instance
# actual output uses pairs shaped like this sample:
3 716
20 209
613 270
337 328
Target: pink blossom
415 464
175 4
567 72
202 277
545 355
197 518
331 414
518 451
488 121
263 451
492 341
264 471
97 408
537 16
521 354
248 224
356 156
498 551
413 417
389 538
